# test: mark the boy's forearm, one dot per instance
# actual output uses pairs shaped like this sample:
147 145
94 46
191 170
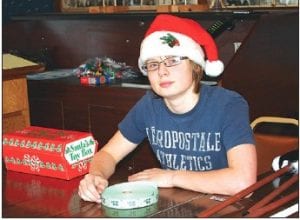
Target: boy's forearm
102 164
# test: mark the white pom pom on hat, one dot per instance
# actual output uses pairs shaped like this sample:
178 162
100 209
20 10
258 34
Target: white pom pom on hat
175 36
214 68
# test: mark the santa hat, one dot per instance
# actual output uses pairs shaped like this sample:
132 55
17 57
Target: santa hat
175 36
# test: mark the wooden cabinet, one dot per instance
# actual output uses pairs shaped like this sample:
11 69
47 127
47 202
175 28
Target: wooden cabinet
15 105
66 104
15 111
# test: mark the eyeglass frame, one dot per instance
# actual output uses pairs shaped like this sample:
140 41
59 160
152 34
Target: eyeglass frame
144 66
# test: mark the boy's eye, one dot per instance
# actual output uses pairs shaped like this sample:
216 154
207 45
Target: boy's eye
152 65
171 60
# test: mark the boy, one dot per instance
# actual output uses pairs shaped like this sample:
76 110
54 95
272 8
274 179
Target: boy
199 133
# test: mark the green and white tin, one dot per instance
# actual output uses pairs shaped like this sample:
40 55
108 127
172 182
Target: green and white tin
130 213
130 195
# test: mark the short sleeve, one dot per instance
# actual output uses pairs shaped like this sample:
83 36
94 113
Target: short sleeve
236 127
133 125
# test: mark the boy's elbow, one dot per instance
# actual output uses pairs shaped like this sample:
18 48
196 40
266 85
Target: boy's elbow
242 184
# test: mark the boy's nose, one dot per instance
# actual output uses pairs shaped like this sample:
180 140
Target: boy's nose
162 70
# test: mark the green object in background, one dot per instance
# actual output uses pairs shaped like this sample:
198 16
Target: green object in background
130 195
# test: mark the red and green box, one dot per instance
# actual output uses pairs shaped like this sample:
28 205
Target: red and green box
50 152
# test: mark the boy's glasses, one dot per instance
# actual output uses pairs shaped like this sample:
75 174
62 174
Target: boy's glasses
168 62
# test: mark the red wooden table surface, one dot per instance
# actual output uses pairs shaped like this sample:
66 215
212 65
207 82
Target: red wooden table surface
26 195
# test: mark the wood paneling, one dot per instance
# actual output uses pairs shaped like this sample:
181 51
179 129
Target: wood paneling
66 42
265 69
14 92
15 105
14 121
46 112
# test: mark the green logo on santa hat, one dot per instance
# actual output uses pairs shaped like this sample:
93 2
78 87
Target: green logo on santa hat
170 40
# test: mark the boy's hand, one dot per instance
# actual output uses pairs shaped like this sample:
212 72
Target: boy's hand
163 178
91 187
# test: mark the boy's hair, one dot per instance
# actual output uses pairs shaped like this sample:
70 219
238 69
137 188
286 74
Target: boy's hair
197 76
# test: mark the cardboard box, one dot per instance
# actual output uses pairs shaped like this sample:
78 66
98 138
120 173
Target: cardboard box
50 152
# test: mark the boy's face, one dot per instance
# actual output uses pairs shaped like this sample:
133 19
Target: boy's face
173 81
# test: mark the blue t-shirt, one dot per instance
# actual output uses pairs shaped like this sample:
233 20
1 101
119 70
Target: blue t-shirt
197 140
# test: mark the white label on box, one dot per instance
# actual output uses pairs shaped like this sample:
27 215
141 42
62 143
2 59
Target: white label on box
80 149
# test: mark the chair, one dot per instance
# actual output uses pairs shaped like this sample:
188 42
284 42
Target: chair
269 145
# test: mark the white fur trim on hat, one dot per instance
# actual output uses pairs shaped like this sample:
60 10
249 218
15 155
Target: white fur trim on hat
154 46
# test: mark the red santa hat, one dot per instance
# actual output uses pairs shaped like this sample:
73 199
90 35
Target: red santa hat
169 35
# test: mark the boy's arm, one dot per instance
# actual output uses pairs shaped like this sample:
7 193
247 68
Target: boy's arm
104 161
103 166
241 173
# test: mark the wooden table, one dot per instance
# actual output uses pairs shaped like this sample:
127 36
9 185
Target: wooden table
26 195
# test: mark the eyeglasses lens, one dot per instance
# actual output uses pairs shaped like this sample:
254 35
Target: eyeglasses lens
168 62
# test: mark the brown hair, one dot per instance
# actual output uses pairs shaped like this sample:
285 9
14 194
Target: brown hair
197 76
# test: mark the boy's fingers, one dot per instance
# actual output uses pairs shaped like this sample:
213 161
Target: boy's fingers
100 184
88 196
88 190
